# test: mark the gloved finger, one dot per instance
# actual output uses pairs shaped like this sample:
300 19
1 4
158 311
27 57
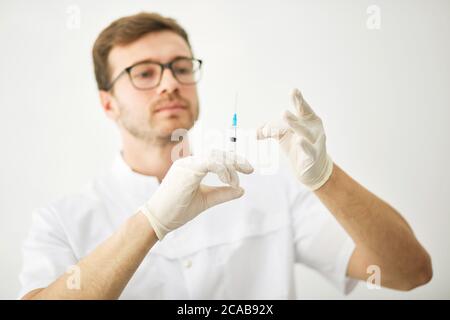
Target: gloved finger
234 179
217 195
241 164
298 127
220 169
301 106
272 129
290 116
236 161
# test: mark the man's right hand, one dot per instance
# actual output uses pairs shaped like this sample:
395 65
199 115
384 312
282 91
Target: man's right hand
181 196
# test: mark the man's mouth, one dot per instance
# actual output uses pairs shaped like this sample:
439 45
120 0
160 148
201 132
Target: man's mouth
171 107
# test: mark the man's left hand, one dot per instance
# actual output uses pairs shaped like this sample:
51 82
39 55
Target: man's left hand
302 138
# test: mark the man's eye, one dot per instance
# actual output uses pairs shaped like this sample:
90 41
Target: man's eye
183 70
145 74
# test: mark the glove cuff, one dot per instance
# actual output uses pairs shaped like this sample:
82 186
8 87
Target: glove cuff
157 226
325 174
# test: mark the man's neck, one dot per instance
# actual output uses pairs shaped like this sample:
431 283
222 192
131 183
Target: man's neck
150 158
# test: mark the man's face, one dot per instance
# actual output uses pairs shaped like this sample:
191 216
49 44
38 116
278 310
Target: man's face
144 113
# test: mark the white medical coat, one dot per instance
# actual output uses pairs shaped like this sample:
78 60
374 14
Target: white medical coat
242 249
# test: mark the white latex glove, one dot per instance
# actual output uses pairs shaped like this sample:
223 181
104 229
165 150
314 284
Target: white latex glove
181 197
302 138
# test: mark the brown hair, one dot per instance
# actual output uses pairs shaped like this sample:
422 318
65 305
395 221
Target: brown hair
124 31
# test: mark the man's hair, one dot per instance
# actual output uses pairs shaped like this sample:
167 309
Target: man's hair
124 31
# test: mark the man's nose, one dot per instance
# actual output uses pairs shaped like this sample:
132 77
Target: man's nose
168 82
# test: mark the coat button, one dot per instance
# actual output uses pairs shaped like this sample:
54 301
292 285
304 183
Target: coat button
188 264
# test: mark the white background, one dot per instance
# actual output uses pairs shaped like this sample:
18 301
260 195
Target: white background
383 96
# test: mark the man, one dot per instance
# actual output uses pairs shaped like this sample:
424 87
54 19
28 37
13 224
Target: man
137 232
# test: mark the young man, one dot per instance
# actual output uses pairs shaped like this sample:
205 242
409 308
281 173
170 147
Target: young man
136 232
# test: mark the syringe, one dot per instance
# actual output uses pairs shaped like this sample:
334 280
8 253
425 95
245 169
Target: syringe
233 137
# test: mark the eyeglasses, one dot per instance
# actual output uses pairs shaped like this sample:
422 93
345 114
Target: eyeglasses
148 74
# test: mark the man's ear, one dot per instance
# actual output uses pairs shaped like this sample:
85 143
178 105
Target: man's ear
108 105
